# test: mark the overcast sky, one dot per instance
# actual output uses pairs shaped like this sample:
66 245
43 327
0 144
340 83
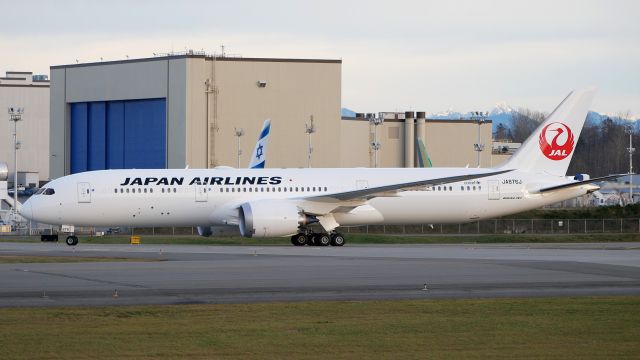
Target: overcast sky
397 55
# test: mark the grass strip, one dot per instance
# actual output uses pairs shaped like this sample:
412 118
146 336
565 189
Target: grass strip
561 328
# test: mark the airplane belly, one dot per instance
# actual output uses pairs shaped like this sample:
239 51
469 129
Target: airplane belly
141 212
427 207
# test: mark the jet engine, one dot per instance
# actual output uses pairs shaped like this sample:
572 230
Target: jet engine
271 218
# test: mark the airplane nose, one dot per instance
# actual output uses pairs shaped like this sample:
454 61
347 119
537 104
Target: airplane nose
26 210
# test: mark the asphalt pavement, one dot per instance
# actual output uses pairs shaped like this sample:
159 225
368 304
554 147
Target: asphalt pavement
193 274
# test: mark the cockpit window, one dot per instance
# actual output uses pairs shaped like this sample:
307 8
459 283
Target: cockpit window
40 191
49 191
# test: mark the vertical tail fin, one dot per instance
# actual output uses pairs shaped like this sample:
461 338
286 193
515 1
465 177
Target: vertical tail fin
423 158
260 151
550 147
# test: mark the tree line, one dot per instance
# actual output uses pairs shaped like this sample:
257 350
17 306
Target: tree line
601 149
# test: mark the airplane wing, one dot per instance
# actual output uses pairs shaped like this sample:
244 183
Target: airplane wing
579 183
378 191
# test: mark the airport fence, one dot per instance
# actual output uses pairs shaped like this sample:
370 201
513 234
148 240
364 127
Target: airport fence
509 226
495 226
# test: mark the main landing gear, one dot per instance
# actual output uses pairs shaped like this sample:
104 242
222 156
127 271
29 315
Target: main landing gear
318 239
71 240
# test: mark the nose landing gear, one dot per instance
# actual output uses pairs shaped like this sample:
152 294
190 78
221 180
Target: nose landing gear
71 240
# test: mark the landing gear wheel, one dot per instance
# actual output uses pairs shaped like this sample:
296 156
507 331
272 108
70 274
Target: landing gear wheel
322 239
299 239
337 239
72 240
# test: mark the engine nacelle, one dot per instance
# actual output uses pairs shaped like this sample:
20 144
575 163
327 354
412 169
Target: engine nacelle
271 218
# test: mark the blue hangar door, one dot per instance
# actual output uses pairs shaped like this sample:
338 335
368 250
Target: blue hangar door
118 135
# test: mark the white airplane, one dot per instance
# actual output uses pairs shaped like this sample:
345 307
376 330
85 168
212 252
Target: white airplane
309 204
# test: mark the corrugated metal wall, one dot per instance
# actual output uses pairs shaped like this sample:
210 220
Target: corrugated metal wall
118 135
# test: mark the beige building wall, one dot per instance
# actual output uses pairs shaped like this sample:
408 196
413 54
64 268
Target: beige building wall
295 90
18 89
355 139
449 143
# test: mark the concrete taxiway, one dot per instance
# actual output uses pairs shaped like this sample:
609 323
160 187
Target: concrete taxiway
221 274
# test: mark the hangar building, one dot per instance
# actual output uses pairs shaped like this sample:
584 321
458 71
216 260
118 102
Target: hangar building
182 110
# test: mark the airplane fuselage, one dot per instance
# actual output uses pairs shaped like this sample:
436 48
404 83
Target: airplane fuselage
197 197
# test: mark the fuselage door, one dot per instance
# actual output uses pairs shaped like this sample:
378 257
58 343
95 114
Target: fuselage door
84 192
494 189
201 192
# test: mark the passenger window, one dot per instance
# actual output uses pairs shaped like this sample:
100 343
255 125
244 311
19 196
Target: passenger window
285 189
325 188
474 188
175 190
121 190
127 190
115 191
151 190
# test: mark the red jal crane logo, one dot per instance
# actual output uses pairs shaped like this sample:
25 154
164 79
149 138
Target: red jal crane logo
561 144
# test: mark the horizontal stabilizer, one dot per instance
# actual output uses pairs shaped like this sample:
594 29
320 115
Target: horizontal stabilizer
580 183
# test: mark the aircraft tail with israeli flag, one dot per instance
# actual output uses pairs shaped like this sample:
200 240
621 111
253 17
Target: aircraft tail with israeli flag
258 156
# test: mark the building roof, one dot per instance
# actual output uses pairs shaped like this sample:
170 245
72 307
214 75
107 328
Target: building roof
197 56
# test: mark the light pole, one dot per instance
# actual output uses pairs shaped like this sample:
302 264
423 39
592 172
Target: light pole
15 115
375 144
239 134
309 129
631 149
480 117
